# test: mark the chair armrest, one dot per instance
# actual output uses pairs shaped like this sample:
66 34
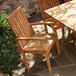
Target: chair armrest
51 24
30 38
40 23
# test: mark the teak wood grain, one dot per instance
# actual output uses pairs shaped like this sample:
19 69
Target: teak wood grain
28 41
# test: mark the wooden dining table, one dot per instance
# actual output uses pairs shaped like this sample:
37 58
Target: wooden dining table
64 13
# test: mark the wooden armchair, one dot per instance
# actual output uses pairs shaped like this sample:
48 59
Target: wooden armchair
28 41
46 4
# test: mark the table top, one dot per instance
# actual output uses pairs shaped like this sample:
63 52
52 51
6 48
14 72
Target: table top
65 13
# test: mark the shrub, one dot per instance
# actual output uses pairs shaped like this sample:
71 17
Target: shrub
9 50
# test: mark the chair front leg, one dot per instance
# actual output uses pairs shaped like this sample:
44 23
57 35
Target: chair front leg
58 47
25 61
48 62
46 30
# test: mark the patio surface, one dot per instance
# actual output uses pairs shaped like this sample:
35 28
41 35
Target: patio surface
62 65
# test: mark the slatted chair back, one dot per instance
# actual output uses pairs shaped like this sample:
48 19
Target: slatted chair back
66 1
20 25
46 4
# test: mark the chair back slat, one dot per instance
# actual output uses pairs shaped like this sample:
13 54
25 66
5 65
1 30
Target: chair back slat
46 4
42 7
20 25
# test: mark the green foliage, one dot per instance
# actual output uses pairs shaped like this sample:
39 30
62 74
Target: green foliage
4 27
9 50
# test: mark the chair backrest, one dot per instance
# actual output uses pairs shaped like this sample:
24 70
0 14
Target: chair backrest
66 1
46 4
20 25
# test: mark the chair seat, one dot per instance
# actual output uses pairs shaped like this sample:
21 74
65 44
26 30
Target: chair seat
36 45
